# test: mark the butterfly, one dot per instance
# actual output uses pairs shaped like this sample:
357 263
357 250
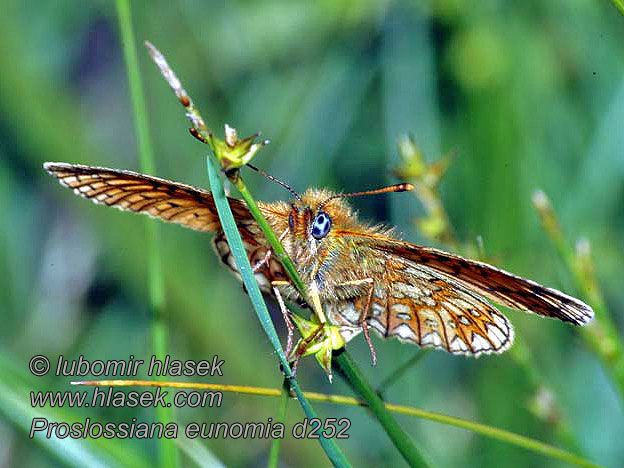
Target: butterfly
365 276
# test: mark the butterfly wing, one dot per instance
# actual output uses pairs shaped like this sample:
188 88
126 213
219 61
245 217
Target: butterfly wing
189 206
421 306
492 283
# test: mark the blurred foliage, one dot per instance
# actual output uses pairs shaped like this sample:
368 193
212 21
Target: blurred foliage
524 95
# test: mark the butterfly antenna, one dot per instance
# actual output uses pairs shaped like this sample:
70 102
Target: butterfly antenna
277 181
404 187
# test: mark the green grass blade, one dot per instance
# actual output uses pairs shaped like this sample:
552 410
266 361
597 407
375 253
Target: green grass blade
602 334
16 409
168 454
71 452
399 437
619 4
281 417
242 263
398 372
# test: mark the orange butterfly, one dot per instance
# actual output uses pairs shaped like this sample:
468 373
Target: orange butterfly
364 277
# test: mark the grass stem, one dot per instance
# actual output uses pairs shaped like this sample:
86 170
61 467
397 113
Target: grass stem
281 418
346 366
601 335
168 453
483 429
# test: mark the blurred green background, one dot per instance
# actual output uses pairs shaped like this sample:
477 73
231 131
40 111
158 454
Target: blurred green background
527 94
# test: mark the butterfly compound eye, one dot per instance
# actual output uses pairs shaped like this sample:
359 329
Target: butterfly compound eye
321 225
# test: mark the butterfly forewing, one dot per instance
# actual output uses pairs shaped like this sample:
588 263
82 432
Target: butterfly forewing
490 282
189 206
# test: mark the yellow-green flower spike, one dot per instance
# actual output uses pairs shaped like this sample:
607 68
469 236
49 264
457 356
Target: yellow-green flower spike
233 153
327 340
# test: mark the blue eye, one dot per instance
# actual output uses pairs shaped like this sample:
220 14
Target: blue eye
321 225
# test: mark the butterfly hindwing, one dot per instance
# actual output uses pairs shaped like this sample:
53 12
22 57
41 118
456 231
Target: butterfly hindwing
420 306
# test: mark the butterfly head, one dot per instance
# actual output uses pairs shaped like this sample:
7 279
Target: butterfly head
314 217
319 217
313 221
322 228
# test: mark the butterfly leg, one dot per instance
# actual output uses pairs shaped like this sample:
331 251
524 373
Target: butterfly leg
267 256
364 314
261 263
364 323
285 314
303 346
316 303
